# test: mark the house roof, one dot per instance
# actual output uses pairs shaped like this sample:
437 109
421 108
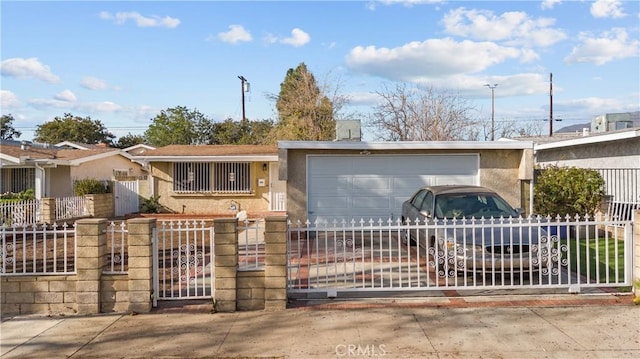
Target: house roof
56 156
79 145
211 153
591 139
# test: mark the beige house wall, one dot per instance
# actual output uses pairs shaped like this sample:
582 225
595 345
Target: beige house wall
617 154
500 170
210 203
102 169
58 184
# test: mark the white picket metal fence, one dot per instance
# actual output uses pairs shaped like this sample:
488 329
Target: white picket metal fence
622 186
38 249
20 213
71 207
532 253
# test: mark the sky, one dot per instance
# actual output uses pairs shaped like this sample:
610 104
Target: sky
123 62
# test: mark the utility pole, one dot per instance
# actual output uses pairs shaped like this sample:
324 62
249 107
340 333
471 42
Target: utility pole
492 87
244 89
550 104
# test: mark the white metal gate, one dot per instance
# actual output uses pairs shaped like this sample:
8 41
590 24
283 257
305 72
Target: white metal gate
126 197
183 262
375 256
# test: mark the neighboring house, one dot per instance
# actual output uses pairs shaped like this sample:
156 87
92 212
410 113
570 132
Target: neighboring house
215 179
615 154
370 180
51 171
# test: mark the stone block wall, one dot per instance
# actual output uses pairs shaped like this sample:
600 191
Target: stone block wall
38 294
100 205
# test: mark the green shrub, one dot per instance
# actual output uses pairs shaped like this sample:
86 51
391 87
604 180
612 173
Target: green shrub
25 195
561 191
150 205
90 186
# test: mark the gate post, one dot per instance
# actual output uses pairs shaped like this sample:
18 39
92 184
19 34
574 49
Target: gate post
91 236
140 270
275 275
225 251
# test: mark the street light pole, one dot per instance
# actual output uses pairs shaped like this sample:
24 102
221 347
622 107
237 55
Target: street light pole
243 80
492 87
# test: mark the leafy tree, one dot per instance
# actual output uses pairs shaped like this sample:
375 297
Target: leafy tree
7 131
180 126
129 140
242 132
73 128
304 111
561 191
422 114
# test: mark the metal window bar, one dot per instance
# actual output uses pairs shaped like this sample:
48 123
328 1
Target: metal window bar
191 177
117 260
37 250
16 180
232 177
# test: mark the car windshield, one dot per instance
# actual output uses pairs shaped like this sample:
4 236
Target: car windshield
469 205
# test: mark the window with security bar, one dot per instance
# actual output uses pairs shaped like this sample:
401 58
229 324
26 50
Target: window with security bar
191 177
17 179
232 177
212 177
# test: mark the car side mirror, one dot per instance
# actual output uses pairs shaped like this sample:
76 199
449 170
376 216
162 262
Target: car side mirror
520 211
425 214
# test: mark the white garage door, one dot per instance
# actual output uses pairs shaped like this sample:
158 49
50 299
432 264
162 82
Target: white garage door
365 187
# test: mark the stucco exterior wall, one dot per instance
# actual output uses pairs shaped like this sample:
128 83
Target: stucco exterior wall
59 184
500 170
210 203
102 169
618 154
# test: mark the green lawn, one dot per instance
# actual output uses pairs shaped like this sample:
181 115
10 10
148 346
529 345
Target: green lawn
600 256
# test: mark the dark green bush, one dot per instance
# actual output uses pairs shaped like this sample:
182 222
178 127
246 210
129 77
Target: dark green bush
90 186
150 205
567 191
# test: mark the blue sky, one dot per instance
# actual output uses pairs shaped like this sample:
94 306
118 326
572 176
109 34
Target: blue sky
124 62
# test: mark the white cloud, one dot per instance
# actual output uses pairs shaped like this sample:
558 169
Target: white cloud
549 4
236 33
611 45
513 28
8 99
93 83
120 18
298 38
434 58
66 96
607 8
28 68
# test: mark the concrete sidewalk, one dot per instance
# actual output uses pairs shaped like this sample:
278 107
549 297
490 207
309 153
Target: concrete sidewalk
589 330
